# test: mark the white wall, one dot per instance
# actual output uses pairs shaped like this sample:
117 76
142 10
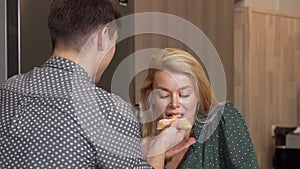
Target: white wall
2 41
292 6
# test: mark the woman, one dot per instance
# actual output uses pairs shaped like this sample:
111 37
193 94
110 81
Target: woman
177 84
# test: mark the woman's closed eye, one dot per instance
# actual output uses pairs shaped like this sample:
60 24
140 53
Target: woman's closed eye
164 95
184 95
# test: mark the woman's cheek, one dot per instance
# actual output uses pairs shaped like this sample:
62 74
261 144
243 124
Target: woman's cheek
161 105
190 106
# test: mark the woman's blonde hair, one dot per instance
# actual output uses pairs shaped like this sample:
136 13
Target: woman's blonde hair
179 61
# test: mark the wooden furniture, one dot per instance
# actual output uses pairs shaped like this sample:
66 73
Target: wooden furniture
266 73
286 158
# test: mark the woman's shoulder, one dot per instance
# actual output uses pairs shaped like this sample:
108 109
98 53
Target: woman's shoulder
230 106
231 112
233 122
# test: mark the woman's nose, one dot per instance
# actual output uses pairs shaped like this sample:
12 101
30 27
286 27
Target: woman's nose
175 101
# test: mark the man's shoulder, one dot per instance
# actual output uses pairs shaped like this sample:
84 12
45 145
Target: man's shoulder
114 103
16 83
110 99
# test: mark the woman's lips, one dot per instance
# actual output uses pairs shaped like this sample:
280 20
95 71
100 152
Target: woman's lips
174 115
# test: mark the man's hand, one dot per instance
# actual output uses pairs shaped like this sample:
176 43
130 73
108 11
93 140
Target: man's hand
167 139
180 147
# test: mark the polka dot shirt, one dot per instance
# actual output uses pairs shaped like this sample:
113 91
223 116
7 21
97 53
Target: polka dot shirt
55 117
229 146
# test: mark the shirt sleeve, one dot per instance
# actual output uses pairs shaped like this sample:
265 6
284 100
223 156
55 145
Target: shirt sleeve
239 146
117 137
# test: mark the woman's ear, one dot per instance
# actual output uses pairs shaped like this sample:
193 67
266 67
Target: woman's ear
103 39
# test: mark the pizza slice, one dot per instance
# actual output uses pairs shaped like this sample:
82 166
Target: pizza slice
183 123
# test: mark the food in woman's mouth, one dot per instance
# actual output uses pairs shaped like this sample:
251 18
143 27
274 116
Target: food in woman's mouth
183 123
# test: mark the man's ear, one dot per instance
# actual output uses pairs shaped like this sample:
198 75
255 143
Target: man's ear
103 39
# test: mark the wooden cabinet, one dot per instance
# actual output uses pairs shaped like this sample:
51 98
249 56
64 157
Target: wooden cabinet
266 73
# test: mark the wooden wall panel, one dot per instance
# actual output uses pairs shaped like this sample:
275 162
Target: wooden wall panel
213 17
189 10
266 81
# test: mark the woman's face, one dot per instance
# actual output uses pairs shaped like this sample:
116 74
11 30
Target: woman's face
173 94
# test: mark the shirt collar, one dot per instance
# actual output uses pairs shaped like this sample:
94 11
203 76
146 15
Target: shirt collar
67 65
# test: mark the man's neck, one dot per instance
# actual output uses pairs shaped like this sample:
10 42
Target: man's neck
74 57
67 54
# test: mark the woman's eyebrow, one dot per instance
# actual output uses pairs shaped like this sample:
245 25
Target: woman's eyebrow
164 89
185 87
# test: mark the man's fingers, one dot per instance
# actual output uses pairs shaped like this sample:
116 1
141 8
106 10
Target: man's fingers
174 123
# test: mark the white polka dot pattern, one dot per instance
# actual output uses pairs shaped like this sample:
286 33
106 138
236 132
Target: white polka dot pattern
229 147
55 117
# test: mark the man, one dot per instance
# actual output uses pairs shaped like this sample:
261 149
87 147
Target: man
54 116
